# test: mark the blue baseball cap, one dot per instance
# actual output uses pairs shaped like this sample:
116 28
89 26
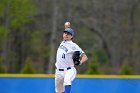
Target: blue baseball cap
70 31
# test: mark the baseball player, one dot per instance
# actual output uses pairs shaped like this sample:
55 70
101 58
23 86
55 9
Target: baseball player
65 70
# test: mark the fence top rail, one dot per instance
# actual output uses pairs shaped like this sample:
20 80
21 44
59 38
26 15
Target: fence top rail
78 76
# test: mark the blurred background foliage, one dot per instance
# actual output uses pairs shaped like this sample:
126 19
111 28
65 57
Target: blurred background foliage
108 32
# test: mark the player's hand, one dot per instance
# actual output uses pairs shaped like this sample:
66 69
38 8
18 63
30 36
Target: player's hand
67 25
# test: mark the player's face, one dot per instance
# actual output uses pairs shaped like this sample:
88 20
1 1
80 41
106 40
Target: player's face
67 36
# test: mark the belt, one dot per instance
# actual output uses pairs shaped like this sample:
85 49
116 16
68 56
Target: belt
64 69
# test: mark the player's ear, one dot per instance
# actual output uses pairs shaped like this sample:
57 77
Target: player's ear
71 37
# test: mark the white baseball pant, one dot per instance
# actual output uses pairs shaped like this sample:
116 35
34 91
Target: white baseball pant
64 77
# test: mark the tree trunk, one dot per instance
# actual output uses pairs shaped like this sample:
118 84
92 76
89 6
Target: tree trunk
5 47
131 15
53 38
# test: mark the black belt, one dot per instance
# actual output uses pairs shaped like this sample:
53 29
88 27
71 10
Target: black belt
63 69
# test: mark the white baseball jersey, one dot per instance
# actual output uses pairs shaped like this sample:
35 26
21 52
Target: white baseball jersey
64 54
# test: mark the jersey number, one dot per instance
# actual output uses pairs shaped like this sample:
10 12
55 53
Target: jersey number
63 55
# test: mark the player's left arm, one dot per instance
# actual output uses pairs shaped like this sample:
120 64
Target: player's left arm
83 58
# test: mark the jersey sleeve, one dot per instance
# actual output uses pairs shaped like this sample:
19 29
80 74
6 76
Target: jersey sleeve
77 48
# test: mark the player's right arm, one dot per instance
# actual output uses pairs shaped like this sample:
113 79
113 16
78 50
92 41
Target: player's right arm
84 58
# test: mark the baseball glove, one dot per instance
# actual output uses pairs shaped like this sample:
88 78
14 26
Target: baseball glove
76 58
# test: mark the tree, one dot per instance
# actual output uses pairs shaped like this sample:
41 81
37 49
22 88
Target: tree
93 66
53 37
14 15
34 28
2 69
126 69
28 68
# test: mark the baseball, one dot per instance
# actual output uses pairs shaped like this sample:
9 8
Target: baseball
67 24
